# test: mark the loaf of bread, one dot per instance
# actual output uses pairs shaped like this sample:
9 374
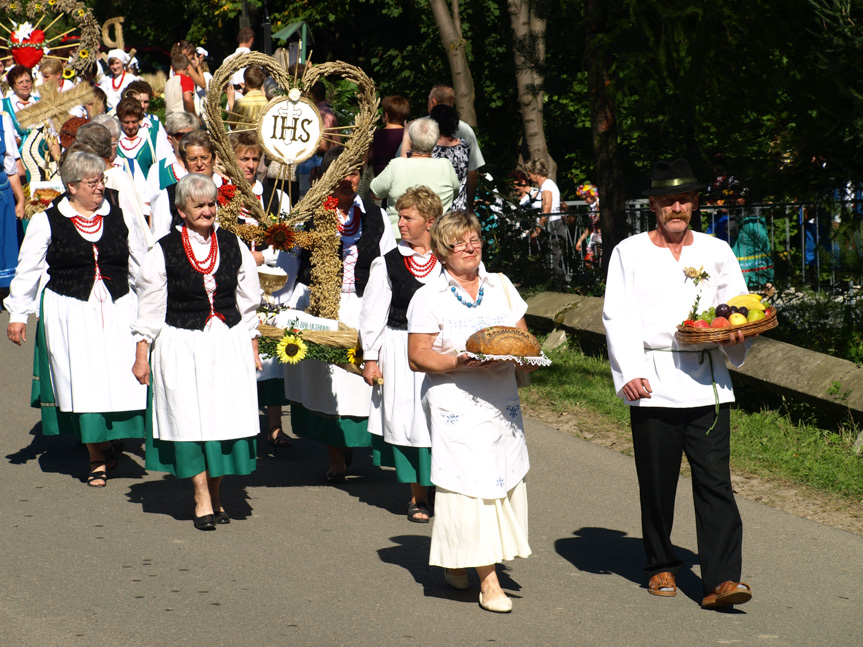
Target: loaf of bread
503 340
47 195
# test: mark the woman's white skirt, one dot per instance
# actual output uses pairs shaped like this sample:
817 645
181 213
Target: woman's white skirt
469 532
204 384
397 410
91 351
327 389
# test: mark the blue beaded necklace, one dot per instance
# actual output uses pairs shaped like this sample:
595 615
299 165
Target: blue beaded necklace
468 304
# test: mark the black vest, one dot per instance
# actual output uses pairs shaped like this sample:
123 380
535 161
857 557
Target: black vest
404 286
368 247
188 305
71 265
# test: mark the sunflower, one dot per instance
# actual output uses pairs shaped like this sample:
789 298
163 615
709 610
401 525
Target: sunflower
281 237
69 73
355 356
83 53
291 349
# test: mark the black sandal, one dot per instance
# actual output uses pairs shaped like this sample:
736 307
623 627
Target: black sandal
416 509
98 475
280 440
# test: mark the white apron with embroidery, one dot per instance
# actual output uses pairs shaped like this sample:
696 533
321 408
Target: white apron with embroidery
477 431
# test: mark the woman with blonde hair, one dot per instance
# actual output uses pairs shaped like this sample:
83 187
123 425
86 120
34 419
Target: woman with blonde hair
397 422
479 454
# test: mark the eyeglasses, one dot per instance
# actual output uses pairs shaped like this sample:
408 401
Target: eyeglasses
92 184
460 246
195 160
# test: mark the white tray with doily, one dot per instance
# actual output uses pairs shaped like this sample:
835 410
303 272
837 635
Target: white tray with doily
538 360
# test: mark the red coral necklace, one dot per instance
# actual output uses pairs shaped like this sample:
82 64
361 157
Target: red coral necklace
420 271
116 86
206 266
351 229
85 226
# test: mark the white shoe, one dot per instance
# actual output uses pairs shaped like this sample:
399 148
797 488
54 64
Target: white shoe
497 605
458 582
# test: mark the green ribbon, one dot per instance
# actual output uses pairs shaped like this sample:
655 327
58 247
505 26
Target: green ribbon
703 351
661 184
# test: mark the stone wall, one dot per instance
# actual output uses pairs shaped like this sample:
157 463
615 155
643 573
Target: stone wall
773 365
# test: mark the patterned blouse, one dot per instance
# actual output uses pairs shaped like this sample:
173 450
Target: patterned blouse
458 155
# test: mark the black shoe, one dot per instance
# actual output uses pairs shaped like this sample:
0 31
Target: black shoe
207 522
335 477
222 517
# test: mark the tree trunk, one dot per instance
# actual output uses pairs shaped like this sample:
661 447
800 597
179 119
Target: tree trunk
528 36
454 46
612 201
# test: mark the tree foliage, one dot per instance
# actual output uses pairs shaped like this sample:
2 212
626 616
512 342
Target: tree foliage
769 92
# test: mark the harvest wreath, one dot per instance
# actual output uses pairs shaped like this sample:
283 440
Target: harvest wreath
292 345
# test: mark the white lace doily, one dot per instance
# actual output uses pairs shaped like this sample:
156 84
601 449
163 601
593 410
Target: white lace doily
539 360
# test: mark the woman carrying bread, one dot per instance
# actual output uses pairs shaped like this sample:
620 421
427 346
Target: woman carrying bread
479 454
397 423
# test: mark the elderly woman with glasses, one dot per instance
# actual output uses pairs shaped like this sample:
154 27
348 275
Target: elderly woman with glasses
198 291
479 455
197 155
91 251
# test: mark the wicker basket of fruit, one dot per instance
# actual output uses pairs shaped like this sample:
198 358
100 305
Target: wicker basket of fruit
745 313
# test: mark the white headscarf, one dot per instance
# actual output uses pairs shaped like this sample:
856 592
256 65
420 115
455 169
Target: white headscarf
118 54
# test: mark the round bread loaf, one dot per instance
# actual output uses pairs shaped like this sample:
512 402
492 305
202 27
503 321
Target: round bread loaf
503 340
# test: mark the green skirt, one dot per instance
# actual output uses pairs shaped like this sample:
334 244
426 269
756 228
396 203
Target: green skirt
412 464
336 431
187 458
271 393
87 427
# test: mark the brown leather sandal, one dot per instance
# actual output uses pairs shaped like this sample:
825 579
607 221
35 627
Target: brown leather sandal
727 594
662 584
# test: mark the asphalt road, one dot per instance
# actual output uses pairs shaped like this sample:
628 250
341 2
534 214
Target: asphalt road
305 564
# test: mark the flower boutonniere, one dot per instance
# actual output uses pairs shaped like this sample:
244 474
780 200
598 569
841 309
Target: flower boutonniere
697 276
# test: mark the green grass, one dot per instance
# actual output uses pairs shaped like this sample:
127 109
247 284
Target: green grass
768 443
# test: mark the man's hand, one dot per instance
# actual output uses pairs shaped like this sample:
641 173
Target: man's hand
736 338
637 389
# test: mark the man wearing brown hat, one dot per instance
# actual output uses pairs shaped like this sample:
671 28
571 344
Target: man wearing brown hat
679 394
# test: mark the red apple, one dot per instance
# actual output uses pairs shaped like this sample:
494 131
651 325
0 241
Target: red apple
720 322
700 323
